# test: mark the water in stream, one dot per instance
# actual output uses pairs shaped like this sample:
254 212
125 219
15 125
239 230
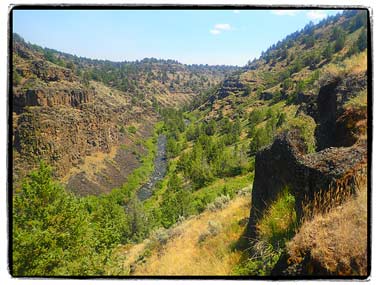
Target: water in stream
159 172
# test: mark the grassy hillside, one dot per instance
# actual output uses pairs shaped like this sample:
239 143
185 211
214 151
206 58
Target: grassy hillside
206 244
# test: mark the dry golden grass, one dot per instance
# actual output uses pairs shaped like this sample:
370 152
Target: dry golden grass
337 239
358 101
92 164
355 64
185 255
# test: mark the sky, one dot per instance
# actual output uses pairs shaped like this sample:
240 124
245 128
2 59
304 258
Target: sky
229 37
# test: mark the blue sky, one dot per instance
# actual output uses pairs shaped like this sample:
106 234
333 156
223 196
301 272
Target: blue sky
189 36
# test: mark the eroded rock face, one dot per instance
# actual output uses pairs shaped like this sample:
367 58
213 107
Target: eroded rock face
231 85
341 141
286 164
63 121
50 97
326 116
47 72
333 120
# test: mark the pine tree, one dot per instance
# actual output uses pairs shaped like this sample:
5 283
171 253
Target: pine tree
362 40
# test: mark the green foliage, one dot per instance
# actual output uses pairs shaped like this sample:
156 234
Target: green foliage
354 49
175 203
362 40
225 125
122 130
210 128
141 174
16 77
173 122
358 21
286 84
260 139
300 86
173 148
312 58
259 90
132 129
277 226
281 120
296 66
309 41
85 78
51 56
336 32
226 186
247 90
306 125
340 41
261 264
328 52
51 230
233 135
257 116
56 233
109 219
279 222
136 220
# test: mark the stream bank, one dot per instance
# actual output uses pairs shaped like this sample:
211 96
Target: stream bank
159 172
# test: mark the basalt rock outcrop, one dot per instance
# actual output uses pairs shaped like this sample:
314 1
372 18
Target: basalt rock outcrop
286 164
62 120
333 119
50 97
231 85
342 145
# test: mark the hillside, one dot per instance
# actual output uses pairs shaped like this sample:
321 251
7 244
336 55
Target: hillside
303 108
196 170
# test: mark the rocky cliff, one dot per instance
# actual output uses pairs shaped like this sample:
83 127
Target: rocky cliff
62 120
341 156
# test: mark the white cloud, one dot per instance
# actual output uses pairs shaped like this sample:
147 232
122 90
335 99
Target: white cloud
285 12
236 11
224 27
316 15
219 28
215 32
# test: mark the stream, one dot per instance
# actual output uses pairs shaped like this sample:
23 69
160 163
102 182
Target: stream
159 172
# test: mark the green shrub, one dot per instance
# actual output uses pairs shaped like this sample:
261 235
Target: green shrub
132 129
51 233
276 227
340 41
219 203
307 126
260 138
261 263
362 40
279 222
122 130
16 77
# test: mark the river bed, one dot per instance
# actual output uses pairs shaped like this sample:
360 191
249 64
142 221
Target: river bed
159 172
